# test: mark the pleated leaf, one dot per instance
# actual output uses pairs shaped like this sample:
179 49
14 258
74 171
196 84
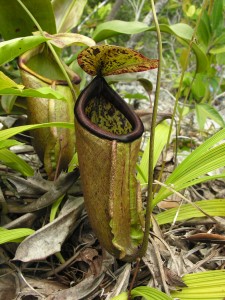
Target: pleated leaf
208 285
9 143
7 133
14 235
149 293
106 60
13 161
212 207
201 161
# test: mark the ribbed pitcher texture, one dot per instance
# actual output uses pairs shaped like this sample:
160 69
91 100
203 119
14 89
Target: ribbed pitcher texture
54 146
108 136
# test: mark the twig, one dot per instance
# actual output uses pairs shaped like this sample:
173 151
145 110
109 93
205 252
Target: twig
159 260
134 278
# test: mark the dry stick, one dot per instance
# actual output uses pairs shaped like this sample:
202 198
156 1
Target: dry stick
170 251
20 274
160 265
134 277
215 251
59 160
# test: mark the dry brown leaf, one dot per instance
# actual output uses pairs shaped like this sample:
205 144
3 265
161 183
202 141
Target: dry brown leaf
122 282
9 284
207 238
49 239
81 290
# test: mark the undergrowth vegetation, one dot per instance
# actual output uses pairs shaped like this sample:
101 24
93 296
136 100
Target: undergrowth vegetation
179 197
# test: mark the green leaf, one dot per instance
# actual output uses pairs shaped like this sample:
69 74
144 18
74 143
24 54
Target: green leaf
182 31
13 161
149 293
201 118
7 133
206 158
6 82
106 60
147 85
201 57
161 133
111 28
219 40
202 286
15 47
217 17
55 207
68 13
43 92
115 27
199 86
213 207
13 235
62 40
9 143
144 291
203 111
122 296
217 49
10 87
15 22
220 59
7 102
138 96
204 29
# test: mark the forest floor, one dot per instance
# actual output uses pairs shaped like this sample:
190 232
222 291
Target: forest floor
64 260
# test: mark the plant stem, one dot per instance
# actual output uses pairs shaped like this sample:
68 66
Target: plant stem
152 138
57 59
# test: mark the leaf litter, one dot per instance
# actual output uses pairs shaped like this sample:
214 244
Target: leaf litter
33 268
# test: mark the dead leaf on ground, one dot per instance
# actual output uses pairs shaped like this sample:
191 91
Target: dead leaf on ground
60 187
35 185
81 290
207 238
121 283
49 239
39 287
9 284
90 260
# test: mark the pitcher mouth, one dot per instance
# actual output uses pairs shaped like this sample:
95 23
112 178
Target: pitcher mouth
100 88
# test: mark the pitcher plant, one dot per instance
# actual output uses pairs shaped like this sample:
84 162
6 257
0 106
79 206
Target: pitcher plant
108 137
